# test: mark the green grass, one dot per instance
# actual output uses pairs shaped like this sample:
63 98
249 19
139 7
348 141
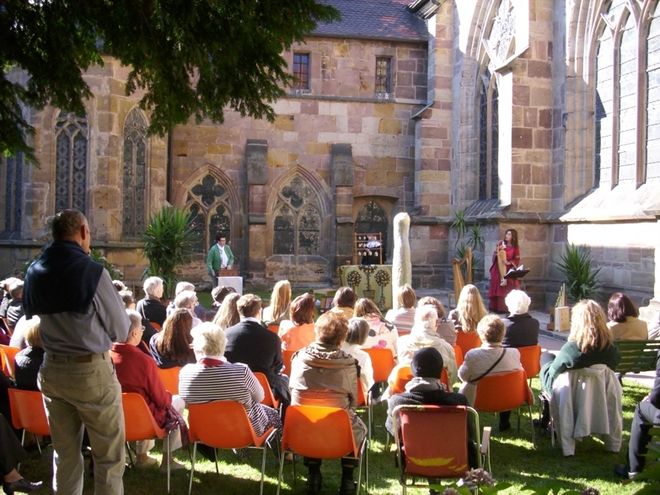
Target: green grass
513 460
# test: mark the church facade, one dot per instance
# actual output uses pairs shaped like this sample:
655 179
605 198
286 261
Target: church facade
537 115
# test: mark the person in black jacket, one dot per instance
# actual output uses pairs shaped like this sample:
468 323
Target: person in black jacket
521 328
249 342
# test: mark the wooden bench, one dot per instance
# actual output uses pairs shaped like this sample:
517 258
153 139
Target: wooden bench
636 356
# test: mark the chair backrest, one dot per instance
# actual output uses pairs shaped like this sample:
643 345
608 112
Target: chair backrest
433 439
404 375
502 392
222 424
458 354
273 327
287 355
28 412
382 361
156 326
7 355
138 420
318 432
269 399
467 341
530 358
170 378
636 356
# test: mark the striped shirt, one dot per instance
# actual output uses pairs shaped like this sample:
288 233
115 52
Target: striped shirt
199 383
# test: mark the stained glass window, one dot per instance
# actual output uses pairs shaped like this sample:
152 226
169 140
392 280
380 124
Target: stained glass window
208 201
135 171
71 162
297 224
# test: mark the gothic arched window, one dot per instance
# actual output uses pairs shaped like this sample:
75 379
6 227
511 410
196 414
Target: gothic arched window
208 202
11 175
297 224
372 219
652 168
627 135
71 162
488 138
135 172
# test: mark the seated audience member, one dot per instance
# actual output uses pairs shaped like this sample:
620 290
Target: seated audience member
488 359
187 300
520 328
15 308
227 315
469 310
200 311
280 300
119 285
127 298
425 388
358 329
28 361
18 337
219 293
646 415
444 328
150 307
251 343
137 372
211 378
171 346
381 332
344 302
624 322
324 375
589 342
11 454
403 317
298 331
6 297
423 334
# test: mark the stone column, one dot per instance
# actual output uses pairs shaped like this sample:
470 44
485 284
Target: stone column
253 254
341 178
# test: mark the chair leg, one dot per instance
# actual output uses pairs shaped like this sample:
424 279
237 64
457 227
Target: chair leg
531 423
192 467
279 474
215 455
169 459
263 469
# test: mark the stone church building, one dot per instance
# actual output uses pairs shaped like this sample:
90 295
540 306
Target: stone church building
539 115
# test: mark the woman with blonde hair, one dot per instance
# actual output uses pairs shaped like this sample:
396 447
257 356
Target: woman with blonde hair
227 316
469 310
381 332
280 299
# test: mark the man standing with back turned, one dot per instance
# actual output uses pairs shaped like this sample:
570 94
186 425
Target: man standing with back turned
81 316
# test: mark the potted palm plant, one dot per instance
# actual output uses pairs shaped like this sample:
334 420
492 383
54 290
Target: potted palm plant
581 276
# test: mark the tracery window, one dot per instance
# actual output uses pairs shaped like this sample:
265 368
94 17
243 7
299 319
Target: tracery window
488 137
208 201
297 224
71 133
372 218
135 171
11 175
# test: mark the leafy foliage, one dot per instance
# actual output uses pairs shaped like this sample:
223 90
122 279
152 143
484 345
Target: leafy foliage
581 277
115 273
168 244
187 58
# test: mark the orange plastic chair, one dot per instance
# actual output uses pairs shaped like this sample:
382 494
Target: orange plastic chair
504 392
274 327
530 358
321 433
287 356
404 375
170 378
7 355
432 442
224 424
269 399
467 341
458 353
156 326
140 424
28 413
382 361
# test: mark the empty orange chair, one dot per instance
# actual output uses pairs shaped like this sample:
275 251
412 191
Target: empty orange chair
382 361
458 353
7 355
432 441
505 391
224 424
287 355
530 358
28 412
140 424
467 341
269 399
170 378
404 375
321 433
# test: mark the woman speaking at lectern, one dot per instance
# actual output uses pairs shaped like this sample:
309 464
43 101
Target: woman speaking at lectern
505 257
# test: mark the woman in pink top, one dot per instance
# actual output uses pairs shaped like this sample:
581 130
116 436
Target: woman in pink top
298 331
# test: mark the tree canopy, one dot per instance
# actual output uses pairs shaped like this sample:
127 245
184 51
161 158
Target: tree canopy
190 57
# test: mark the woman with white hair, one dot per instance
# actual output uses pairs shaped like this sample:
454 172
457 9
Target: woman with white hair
521 328
150 307
213 378
187 300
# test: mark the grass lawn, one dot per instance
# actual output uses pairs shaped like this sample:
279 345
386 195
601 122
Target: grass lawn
513 460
